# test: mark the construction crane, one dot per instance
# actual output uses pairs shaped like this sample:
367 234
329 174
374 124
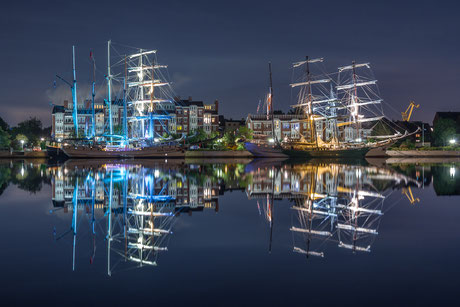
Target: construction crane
406 115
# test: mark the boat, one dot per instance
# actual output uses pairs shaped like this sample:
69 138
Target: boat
344 120
54 151
146 97
267 146
160 151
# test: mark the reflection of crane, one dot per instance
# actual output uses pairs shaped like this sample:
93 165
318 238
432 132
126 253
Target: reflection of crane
410 196
406 115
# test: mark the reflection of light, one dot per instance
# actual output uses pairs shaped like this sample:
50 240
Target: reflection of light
157 173
271 140
452 171
358 140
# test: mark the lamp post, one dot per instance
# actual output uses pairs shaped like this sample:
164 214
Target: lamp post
22 145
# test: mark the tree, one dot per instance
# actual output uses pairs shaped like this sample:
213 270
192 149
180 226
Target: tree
4 125
17 144
5 141
444 129
245 133
31 128
229 139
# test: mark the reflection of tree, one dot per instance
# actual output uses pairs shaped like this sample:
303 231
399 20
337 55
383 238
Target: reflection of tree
446 180
31 182
5 175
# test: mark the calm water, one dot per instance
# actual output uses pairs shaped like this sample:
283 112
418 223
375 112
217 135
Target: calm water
259 233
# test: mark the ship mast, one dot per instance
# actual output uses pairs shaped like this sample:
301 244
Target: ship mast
270 101
309 102
125 111
109 89
93 94
355 101
74 93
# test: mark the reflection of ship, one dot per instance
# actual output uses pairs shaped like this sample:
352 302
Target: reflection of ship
332 202
136 204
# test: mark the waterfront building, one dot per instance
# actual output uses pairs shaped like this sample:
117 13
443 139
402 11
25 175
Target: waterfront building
232 125
188 116
62 125
185 116
295 127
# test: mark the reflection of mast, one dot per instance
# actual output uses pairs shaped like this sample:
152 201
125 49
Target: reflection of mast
74 223
109 229
270 204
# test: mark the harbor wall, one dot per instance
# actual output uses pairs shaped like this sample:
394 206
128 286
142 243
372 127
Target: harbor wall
202 154
423 153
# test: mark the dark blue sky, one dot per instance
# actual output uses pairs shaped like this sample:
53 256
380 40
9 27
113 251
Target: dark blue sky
220 49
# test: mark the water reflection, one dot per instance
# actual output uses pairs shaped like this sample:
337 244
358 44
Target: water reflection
129 209
330 202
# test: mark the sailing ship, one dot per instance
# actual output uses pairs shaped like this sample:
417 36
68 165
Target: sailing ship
337 121
267 146
145 92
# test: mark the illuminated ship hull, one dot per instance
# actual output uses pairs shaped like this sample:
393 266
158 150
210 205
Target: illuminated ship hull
158 152
295 151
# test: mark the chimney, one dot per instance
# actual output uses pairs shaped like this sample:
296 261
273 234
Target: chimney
216 103
66 104
190 98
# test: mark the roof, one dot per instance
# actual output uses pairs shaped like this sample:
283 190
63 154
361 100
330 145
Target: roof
58 109
278 116
187 103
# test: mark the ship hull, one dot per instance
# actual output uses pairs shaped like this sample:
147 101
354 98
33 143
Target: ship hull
55 153
265 151
160 152
327 153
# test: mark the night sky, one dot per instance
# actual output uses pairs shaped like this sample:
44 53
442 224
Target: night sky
220 49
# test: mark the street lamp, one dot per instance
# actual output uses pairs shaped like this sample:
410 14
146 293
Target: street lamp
452 141
22 145
42 139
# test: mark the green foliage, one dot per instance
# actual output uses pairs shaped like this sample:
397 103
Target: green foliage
407 144
244 133
4 125
5 141
443 131
229 140
31 128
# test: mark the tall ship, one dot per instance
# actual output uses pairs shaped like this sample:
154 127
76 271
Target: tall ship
342 114
146 96
267 145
